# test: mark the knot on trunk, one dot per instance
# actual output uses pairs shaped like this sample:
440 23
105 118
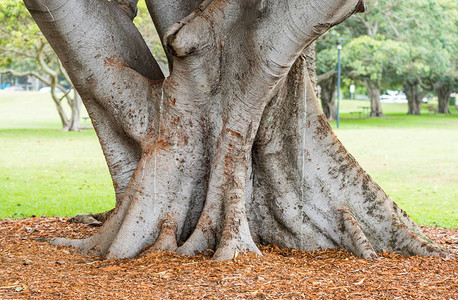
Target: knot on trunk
187 36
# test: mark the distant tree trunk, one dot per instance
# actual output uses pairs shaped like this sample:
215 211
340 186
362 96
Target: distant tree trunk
232 148
443 94
74 121
328 97
414 97
373 88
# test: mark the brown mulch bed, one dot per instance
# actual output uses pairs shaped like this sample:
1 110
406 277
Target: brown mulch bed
32 269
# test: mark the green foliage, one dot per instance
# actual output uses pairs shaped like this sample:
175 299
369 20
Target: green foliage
19 34
397 41
372 58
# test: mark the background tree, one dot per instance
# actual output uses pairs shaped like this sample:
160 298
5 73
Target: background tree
21 40
428 30
424 59
444 69
370 59
232 148
327 79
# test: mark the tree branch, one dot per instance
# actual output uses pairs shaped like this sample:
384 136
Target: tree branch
326 76
41 61
424 86
24 74
67 78
23 54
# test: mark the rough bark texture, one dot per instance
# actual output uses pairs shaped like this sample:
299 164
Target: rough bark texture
373 88
232 148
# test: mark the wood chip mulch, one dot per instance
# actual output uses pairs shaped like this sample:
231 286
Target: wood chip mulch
30 269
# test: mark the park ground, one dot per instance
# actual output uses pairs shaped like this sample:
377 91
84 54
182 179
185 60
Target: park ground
45 172
33 269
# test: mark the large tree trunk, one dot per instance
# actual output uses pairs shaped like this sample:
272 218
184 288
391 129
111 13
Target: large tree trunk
373 88
443 94
232 148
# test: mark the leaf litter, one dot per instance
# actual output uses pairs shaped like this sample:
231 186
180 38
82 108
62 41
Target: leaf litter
31 268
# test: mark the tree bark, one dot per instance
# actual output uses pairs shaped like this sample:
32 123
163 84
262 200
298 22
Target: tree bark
232 148
373 88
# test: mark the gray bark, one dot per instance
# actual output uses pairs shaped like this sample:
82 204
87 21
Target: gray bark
232 148
166 13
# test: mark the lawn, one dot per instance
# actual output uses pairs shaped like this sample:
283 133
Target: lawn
44 171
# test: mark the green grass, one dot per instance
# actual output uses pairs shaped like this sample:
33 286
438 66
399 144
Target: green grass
395 117
47 171
44 171
413 158
27 110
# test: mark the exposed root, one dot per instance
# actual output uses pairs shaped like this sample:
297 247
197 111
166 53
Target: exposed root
87 219
406 242
92 219
102 240
199 240
167 238
229 249
360 244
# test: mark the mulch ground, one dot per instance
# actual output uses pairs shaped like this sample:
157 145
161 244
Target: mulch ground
31 269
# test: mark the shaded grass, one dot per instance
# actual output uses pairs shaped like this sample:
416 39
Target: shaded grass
48 172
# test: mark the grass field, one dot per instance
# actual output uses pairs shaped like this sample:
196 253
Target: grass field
44 171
